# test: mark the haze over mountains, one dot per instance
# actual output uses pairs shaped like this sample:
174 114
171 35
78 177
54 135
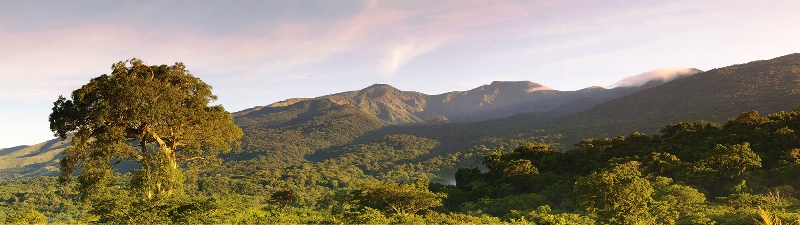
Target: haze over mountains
339 126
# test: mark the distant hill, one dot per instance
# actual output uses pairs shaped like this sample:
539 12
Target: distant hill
767 86
496 100
35 160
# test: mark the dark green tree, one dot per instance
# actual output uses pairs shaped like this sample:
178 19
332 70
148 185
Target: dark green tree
732 160
618 194
723 166
283 197
402 199
157 116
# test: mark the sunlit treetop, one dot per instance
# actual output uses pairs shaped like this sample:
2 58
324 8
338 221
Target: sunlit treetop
158 116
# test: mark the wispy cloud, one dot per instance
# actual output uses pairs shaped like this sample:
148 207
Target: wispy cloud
664 74
398 55
540 88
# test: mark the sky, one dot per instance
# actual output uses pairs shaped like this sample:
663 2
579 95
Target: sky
258 52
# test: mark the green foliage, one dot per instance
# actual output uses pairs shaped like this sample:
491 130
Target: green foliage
283 197
773 218
731 161
27 216
617 194
501 206
680 198
387 158
292 215
117 208
369 216
401 199
433 217
157 116
546 216
660 179
292 132
45 195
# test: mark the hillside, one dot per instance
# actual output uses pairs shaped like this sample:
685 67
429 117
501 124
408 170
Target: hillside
34 160
715 95
289 133
496 100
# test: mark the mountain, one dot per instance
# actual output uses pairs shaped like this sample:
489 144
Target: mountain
767 86
496 100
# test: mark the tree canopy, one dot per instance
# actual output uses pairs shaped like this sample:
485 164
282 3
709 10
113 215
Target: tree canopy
158 116
399 198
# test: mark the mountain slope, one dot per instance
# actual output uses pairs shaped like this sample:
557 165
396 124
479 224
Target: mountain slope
289 133
388 104
35 160
716 95
496 100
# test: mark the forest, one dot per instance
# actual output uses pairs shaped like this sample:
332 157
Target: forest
740 172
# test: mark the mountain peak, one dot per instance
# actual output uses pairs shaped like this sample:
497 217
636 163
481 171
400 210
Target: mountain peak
380 86
524 84
378 90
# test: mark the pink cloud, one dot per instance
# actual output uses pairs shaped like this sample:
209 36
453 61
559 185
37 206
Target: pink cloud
387 35
417 29
385 27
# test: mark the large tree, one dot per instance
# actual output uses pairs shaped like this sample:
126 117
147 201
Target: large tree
158 116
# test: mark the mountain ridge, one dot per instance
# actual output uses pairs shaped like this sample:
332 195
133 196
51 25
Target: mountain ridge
496 100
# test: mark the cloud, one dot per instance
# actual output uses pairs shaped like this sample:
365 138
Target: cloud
664 74
72 43
399 55
425 28
540 88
